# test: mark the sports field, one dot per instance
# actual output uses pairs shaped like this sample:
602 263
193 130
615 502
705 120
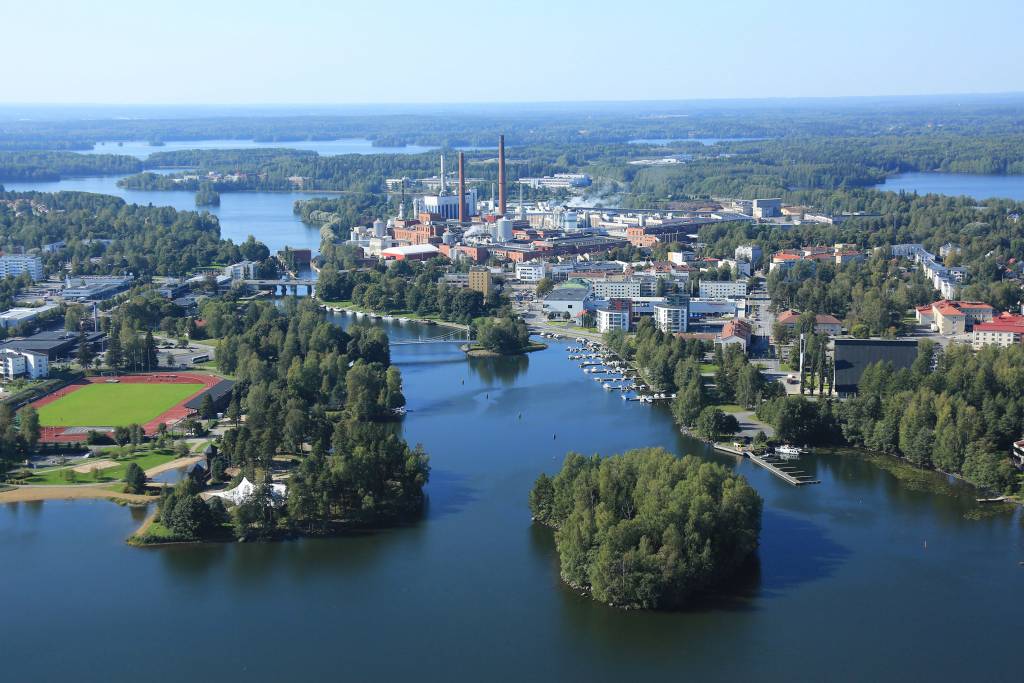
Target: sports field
114 405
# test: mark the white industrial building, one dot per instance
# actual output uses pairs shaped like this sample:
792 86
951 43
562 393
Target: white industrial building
16 316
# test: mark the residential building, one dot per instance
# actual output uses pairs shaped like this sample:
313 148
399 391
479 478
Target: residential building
735 332
722 289
13 265
621 288
480 280
616 316
243 270
823 323
28 364
1007 329
954 317
750 253
672 317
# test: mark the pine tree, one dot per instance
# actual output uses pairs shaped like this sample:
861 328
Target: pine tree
115 354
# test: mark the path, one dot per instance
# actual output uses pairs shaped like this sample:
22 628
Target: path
34 492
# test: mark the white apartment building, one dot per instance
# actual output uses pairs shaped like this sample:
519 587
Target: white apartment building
722 289
30 364
243 270
616 289
671 318
13 265
530 271
612 319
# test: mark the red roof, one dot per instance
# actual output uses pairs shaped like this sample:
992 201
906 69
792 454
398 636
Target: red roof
1006 322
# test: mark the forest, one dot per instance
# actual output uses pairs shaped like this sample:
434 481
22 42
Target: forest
320 402
646 529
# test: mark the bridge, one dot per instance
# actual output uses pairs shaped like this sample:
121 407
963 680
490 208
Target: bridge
287 286
454 337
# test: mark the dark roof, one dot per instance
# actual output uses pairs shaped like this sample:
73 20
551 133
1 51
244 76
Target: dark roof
852 356
568 294
217 392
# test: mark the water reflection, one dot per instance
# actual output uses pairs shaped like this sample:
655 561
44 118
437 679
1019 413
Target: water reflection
502 370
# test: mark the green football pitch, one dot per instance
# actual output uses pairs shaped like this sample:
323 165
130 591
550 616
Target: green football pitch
114 405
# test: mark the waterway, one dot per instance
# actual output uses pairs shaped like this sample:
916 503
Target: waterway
268 216
141 149
859 578
978 186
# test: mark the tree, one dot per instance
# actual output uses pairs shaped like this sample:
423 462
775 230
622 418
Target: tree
207 411
234 412
85 354
115 354
713 422
30 429
544 286
135 479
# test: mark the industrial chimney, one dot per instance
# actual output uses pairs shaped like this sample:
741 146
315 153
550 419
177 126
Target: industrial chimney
501 175
462 187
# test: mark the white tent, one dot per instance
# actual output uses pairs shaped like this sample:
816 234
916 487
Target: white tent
246 489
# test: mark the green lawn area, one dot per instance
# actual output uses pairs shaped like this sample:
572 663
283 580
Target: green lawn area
708 367
730 408
60 475
113 405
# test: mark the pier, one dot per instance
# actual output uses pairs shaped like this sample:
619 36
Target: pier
786 473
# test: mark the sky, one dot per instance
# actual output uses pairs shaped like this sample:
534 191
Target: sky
439 51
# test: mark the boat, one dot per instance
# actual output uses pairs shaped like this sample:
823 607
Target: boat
787 452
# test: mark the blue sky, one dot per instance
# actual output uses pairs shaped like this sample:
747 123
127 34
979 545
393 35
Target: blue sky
228 52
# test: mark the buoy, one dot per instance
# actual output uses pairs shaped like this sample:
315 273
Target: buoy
554 436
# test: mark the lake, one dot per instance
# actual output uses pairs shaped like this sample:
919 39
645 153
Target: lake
141 149
266 215
707 142
978 186
859 578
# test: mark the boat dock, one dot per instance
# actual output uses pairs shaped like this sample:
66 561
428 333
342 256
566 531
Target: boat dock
787 473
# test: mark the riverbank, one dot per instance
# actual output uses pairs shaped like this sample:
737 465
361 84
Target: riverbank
474 351
40 492
349 307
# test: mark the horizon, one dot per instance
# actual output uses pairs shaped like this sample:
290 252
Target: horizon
262 53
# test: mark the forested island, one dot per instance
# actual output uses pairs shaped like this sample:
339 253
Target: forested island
207 196
646 529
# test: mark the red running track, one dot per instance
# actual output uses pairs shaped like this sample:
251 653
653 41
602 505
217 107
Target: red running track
169 417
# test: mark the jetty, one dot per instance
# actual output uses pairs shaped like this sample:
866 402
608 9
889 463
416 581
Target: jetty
787 473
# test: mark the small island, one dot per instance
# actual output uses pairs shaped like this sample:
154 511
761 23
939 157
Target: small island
207 196
645 529
505 336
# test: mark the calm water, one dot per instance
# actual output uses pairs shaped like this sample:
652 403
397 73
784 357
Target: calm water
956 184
860 578
141 149
707 142
266 215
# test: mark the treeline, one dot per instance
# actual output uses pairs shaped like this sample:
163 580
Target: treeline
105 234
417 288
960 416
31 166
326 400
647 529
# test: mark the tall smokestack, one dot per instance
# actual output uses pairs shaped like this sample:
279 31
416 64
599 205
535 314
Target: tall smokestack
501 175
462 187
442 176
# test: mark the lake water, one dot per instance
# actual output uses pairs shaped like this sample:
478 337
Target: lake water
266 215
977 186
860 578
141 149
707 142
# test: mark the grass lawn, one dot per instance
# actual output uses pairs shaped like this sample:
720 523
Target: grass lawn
114 405
731 408
61 475
708 367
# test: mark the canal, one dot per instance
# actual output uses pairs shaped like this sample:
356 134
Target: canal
859 578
